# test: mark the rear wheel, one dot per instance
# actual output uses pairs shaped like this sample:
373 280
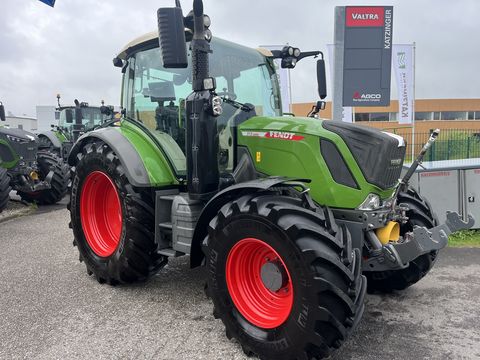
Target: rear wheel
420 213
4 188
47 162
112 221
283 279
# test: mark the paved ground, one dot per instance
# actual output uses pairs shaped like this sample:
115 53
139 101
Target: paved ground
51 309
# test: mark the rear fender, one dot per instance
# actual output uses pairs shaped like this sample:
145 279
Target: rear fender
135 169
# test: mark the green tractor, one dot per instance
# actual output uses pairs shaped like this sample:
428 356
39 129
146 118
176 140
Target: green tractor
73 121
290 216
37 175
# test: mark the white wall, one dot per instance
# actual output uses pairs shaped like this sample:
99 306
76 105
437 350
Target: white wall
28 124
45 117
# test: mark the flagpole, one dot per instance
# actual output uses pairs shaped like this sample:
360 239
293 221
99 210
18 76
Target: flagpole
413 104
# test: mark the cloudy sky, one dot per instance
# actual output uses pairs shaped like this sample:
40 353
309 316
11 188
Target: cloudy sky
68 49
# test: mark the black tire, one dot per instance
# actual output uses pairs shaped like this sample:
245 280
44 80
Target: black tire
136 258
420 213
328 287
4 189
47 161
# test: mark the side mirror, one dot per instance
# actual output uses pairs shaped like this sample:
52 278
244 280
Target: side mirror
106 110
69 116
57 115
321 79
117 62
2 112
171 37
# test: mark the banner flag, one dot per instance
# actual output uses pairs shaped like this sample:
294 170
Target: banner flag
283 79
49 2
403 66
347 112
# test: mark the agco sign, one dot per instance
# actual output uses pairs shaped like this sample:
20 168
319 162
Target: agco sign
358 97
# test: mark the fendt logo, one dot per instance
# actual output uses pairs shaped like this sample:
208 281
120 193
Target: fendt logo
283 135
365 16
366 97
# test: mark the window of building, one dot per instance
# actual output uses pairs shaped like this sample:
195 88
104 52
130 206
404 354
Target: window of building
394 116
379 116
471 115
454 115
436 115
423 116
361 117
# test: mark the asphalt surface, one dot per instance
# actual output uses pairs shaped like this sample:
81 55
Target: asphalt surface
51 309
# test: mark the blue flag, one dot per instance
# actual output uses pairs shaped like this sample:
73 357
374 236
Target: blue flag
49 2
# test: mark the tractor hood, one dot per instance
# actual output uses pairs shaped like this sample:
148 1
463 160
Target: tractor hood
19 134
345 162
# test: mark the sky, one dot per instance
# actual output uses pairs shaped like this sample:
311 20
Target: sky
69 49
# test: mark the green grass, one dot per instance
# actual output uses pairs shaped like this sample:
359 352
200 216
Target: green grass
466 238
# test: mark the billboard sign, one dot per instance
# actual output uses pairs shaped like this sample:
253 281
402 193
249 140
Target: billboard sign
367 55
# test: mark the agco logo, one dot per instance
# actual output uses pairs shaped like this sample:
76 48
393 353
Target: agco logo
366 97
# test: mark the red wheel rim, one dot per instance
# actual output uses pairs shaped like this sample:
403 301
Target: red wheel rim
101 213
259 305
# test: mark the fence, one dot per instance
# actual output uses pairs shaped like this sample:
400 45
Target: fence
452 144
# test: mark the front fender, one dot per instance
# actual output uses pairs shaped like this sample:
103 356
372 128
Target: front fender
214 205
50 135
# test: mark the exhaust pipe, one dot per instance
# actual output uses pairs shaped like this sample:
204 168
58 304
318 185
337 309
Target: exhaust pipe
202 105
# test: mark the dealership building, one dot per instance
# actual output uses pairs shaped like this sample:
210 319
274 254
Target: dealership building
429 114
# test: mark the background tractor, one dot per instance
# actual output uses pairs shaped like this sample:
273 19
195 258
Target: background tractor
72 122
290 216
37 175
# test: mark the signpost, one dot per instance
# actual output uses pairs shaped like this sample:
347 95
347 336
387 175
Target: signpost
363 56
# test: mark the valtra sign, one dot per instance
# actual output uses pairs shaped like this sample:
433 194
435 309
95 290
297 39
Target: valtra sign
367 55
365 16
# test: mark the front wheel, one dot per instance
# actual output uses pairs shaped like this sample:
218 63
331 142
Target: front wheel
48 161
420 213
283 279
112 221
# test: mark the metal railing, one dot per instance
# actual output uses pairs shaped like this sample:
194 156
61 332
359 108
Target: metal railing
452 144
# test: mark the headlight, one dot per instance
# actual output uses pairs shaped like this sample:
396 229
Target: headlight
16 139
371 202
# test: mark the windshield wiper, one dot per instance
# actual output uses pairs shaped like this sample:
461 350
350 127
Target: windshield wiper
244 107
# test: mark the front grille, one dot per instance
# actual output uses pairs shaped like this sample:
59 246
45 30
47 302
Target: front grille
392 167
379 156
26 151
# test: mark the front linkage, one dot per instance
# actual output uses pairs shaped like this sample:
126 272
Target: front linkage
417 233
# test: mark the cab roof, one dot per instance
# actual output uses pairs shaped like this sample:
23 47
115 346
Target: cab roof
151 37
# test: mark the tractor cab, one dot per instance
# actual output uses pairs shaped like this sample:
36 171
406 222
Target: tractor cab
91 117
155 95
71 122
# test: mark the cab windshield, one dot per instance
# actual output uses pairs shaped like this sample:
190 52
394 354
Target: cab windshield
91 118
156 96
